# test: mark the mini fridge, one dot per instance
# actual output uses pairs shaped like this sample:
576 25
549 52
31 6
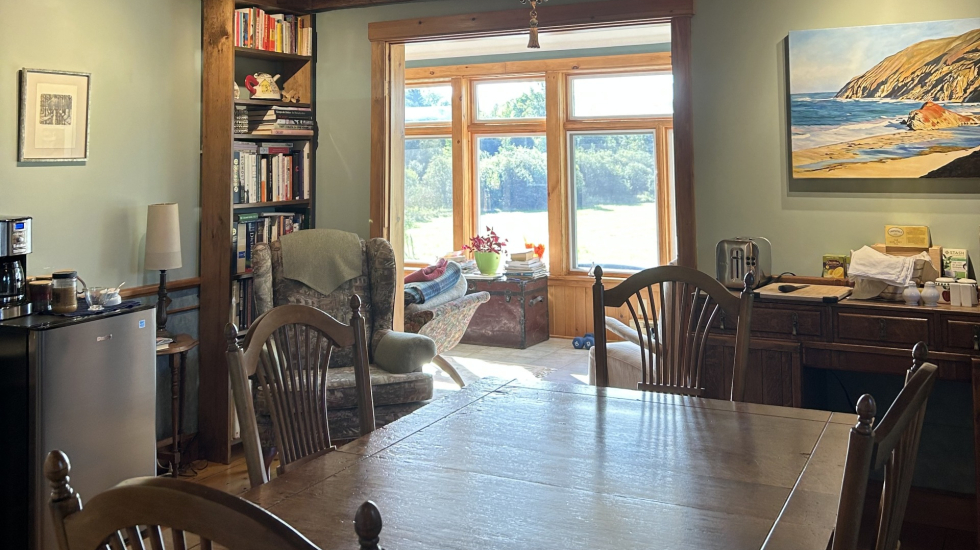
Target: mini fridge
86 386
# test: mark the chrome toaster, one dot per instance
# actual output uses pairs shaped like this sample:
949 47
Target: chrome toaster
736 257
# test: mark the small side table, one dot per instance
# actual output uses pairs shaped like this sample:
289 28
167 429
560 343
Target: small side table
177 354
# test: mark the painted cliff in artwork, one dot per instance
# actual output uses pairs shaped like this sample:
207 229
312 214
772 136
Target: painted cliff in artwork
889 101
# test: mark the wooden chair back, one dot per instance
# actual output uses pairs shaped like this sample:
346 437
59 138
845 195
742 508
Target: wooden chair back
672 340
138 514
287 352
892 445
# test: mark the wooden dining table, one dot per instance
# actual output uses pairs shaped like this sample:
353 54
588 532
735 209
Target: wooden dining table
518 464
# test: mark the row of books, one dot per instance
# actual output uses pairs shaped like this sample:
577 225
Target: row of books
241 119
525 264
280 121
242 303
266 172
260 227
254 28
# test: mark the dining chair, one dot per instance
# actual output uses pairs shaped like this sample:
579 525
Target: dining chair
145 508
673 310
892 446
287 352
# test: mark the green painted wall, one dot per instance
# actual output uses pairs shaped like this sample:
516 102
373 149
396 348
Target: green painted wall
145 60
741 150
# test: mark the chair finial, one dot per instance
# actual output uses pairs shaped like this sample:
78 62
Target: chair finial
367 525
920 354
355 303
231 336
57 468
597 271
749 281
866 410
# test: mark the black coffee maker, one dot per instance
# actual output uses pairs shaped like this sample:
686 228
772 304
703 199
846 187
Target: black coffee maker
15 245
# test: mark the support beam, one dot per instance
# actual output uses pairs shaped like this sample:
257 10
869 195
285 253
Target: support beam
680 51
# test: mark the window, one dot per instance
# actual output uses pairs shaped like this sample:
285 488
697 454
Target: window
610 202
617 96
428 198
512 174
510 99
614 196
429 104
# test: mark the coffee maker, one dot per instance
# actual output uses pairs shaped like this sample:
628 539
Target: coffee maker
15 245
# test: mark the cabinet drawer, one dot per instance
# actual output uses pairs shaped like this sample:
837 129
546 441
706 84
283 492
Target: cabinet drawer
962 334
787 322
878 329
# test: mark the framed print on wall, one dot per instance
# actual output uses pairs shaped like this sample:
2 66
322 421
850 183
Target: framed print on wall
54 116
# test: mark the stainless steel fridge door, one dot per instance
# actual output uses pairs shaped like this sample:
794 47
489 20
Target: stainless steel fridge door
97 403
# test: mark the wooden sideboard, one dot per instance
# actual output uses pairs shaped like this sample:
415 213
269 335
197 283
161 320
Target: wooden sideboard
861 336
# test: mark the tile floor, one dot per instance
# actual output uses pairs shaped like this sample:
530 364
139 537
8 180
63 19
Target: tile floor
553 360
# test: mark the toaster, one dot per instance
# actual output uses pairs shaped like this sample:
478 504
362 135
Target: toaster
736 257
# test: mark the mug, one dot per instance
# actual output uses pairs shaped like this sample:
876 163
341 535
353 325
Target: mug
968 292
943 284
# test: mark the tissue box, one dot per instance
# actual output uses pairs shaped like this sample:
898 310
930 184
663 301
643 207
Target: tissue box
907 235
956 263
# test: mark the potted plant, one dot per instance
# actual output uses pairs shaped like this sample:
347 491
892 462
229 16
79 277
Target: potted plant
486 251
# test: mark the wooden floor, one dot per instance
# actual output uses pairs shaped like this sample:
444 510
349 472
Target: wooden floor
233 478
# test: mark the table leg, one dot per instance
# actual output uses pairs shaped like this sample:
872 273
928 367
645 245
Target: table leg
175 368
975 380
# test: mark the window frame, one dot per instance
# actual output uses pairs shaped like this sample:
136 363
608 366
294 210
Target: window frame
556 127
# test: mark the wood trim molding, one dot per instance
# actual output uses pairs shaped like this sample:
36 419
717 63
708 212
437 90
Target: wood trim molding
658 61
380 160
464 209
559 230
151 290
680 47
552 17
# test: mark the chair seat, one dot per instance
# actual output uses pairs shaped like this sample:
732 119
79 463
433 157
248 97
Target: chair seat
393 394
623 359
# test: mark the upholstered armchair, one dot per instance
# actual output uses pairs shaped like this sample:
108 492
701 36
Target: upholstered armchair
397 392
445 324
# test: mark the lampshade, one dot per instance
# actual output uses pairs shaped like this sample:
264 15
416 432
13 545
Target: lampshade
162 237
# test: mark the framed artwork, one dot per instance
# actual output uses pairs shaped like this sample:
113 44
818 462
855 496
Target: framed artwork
887 101
54 116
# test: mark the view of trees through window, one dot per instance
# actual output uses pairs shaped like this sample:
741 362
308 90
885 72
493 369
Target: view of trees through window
615 194
614 174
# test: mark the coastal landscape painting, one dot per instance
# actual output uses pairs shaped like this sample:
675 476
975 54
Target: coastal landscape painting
887 101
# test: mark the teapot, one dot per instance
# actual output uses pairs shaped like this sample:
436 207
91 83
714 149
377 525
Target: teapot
263 86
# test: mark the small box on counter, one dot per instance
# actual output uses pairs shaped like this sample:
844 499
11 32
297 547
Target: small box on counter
907 235
956 263
834 266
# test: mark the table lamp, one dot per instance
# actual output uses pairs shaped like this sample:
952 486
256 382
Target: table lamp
162 252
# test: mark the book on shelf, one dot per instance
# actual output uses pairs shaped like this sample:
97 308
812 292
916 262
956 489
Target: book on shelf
260 227
242 311
254 28
270 172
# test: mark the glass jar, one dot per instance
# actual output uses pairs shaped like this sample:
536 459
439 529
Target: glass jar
63 297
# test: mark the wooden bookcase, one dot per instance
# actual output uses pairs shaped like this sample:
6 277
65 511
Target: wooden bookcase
223 65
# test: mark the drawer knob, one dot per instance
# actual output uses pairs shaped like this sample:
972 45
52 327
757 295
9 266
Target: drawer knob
976 337
882 329
796 323
536 300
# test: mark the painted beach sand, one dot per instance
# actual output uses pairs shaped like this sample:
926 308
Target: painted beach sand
889 101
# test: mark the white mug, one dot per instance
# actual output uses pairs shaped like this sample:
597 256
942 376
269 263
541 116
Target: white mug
943 284
968 292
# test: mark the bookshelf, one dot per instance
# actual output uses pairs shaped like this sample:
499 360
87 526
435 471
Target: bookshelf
226 62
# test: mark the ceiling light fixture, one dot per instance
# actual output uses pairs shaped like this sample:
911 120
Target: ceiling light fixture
533 39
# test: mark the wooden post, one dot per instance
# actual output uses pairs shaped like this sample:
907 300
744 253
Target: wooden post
362 376
63 501
258 467
742 338
599 322
216 143
680 55
860 448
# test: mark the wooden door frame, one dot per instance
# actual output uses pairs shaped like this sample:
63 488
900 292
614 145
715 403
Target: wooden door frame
390 36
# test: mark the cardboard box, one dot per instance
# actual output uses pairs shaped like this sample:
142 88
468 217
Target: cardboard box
834 266
907 235
956 263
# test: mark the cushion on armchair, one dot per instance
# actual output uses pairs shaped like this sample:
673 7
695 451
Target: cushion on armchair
402 353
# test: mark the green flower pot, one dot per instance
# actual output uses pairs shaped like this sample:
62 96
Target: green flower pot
488 262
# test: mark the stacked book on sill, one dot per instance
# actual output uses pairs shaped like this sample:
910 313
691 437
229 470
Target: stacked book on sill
260 227
268 172
278 120
525 264
254 28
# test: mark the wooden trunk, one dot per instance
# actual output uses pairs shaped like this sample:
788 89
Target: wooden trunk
516 315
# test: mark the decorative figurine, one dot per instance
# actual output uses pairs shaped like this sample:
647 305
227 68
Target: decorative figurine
263 86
